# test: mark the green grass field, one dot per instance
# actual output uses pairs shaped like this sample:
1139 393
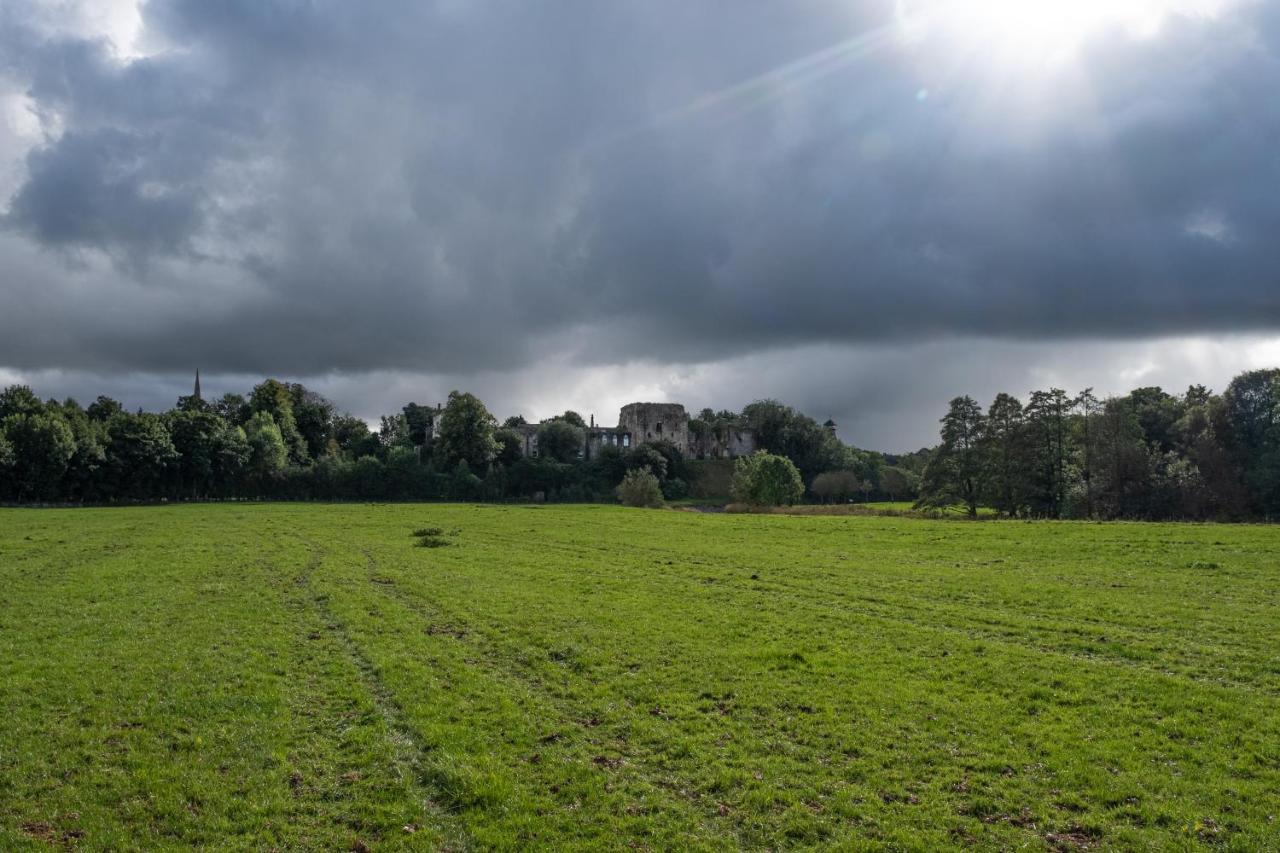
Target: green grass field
309 677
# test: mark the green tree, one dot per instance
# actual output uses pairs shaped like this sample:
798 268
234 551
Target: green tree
955 473
1048 451
897 483
313 415
572 417
464 485
466 433
836 486
419 419
232 459
1157 413
510 446
19 400
1088 409
42 445
7 460
88 465
232 408
276 399
198 437
781 430
394 432
1005 454
1250 427
766 479
1200 439
268 454
140 452
640 488
1123 460
648 456
352 437
561 440
104 409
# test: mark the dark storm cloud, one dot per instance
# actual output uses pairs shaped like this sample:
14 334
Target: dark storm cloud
453 187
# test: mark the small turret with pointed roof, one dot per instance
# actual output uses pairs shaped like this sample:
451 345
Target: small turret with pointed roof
196 392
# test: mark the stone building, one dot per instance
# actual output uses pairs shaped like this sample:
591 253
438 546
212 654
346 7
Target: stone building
656 422
643 422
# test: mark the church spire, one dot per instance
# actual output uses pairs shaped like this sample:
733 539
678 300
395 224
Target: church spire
196 393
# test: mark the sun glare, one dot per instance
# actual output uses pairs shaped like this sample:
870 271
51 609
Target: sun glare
1043 31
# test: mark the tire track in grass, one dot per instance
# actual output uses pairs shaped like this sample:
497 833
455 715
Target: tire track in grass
408 750
1242 673
705 822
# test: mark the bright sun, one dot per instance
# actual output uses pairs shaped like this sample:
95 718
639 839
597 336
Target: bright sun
1044 31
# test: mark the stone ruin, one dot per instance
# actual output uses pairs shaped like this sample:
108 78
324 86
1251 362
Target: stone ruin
644 422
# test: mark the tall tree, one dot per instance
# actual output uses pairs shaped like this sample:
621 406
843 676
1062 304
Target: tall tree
104 409
766 479
1157 412
42 446
780 429
418 419
1087 410
510 446
313 415
85 471
1124 460
199 437
268 453
394 432
561 440
1251 431
1004 452
276 399
1048 416
7 461
573 417
232 408
352 437
19 400
466 433
139 453
954 474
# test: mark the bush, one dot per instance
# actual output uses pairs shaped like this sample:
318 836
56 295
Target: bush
836 486
675 489
640 488
649 457
763 479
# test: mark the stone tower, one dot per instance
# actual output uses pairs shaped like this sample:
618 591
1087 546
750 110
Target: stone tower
656 422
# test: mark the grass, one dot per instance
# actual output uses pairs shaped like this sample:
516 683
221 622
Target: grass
878 508
306 677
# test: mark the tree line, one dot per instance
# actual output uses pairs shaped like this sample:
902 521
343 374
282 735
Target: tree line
284 441
1145 455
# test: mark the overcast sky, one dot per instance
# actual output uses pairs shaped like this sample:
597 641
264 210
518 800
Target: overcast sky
859 208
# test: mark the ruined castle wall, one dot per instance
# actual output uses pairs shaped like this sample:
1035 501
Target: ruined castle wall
641 422
656 422
727 445
742 442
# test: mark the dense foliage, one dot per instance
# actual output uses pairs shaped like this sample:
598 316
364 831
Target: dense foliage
639 488
766 479
285 441
1148 454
